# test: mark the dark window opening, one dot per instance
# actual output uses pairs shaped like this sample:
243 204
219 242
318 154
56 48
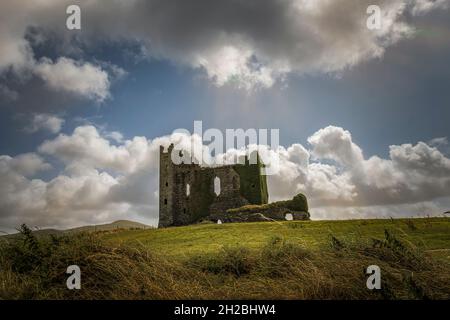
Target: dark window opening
167 184
253 185
165 201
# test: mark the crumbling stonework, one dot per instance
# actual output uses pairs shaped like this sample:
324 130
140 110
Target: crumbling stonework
186 191
294 209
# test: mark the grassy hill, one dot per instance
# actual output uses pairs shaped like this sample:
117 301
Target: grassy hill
280 260
116 225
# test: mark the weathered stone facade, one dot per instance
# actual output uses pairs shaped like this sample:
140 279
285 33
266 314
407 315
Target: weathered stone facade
294 209
186 191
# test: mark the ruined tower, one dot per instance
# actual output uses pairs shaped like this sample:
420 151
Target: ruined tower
187 191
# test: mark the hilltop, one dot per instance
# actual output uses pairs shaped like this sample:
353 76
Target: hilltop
119 224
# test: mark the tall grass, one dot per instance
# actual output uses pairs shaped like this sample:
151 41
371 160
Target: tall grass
34 268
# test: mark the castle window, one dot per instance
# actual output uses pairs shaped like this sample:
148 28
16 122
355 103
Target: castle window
188 190
167 184
165 201
184 210
253 185
217 186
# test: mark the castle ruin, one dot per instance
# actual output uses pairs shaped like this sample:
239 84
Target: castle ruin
187 191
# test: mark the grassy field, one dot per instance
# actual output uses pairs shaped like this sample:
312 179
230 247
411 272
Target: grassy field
429 234
278 260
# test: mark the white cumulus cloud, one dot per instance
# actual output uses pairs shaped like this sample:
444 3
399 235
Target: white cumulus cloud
102 182
81 78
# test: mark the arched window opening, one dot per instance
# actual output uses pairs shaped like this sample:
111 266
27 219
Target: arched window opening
165 201
167 184
188 190
217 186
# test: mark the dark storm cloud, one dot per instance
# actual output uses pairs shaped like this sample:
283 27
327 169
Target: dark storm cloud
251 43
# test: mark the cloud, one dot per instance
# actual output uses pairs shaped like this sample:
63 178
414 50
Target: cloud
76 77
256 43
21 196
46 122
19 64
250 44
26 164
115 136
102 182
440 141
86 147
424 6
420 209
336 144
7 94
413 173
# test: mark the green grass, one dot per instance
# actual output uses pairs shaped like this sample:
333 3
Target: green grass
270 260
182 242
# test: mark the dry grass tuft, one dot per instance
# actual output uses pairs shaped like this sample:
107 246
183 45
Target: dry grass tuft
35 269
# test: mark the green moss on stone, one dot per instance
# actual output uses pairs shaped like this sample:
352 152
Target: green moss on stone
297 203
253 184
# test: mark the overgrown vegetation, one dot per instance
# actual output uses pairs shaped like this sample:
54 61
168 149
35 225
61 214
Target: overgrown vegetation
281 268
297 203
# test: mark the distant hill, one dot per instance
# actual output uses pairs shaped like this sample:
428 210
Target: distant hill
119 224
116 225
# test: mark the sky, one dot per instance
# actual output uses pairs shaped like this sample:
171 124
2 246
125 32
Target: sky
363 114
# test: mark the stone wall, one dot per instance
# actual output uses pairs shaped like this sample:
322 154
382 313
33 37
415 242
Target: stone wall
187 194
295 209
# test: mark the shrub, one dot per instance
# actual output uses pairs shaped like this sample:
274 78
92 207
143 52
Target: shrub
396 252
234 261
411 225
108 272
335 243
279 257
299 203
